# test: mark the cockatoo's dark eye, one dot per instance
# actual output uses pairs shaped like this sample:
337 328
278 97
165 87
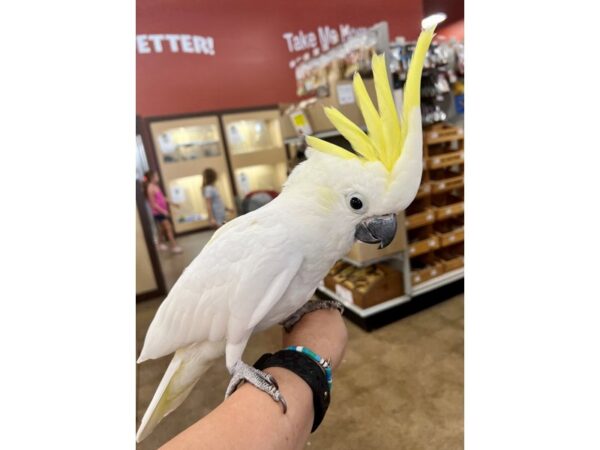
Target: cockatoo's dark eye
356 203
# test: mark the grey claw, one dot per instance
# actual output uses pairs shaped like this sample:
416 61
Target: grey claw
283 403
261 380
271 379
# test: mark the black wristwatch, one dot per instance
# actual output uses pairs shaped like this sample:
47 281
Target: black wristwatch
307 369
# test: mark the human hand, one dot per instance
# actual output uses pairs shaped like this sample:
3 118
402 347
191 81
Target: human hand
323 331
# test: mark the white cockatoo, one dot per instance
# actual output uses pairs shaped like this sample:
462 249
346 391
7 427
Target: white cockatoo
262 267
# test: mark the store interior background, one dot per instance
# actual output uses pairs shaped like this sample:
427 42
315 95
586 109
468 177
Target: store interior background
401 384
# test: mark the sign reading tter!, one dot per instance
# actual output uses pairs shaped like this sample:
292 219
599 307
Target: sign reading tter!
175 43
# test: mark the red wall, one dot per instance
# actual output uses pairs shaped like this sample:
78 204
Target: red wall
251 62
454 30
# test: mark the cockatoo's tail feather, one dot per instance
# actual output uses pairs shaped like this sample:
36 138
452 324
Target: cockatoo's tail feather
386 137
186 368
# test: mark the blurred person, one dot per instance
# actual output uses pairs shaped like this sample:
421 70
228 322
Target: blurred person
158 205
214 204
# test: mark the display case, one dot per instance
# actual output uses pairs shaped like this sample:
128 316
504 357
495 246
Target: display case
184 148
256 151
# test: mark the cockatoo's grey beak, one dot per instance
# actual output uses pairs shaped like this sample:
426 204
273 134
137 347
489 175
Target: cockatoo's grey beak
378 229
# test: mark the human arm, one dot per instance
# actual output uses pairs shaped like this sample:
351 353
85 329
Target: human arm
208 197
237 423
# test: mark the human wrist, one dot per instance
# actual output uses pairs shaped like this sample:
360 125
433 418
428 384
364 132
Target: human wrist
323 332
311 369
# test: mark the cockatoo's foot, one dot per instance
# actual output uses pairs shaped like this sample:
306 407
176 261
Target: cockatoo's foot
262 380
311 306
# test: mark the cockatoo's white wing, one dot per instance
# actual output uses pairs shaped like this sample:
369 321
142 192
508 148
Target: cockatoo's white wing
234 282
230 287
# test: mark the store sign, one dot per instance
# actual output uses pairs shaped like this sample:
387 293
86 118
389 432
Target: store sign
345 93
325 38
175 43
312 43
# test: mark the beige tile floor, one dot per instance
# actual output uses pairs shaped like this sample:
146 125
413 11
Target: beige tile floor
399 387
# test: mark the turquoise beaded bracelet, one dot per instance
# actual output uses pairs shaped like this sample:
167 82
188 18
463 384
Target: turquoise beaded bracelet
316 358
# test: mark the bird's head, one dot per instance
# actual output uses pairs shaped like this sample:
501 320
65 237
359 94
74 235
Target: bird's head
365 189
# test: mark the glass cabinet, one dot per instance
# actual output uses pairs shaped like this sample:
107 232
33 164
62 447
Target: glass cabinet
256 151
184 149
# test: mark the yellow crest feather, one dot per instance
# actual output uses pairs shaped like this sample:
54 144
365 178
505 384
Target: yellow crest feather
386 137
357 137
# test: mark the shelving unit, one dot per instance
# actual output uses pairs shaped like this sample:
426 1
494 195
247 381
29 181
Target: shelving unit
256 151
435 219
184 147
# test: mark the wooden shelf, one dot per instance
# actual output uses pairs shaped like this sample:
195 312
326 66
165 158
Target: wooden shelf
447 184
426 245
446 160
367 311
434 283
427 286
443 212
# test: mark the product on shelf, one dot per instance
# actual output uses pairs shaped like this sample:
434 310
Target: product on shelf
424 189
425 268
451 257
329 281
421 240
451 138
365 286
450 231
419 219
448 204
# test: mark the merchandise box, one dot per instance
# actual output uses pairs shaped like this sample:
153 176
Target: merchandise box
362 253
371 285
423 246
446 160
442 133
420 219
341 98
285 122
447 184
454 209
424 189
427 273
451 237
451 257
339 266
454 263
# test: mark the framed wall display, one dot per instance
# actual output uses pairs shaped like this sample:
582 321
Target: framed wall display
184 148
256 151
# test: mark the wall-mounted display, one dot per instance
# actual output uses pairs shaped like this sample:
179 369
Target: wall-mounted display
184 149
256 151
189 143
